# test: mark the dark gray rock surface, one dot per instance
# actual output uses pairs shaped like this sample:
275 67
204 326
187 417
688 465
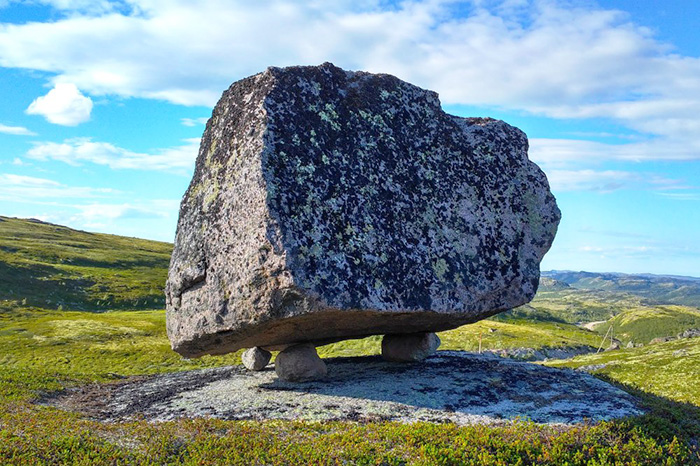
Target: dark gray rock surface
328 204
447 387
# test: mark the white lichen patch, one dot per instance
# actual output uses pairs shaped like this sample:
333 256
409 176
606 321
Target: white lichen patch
454 387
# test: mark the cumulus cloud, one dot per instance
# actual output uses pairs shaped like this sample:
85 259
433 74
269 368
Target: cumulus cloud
589 180
540 53
86 6
77 151
16 130
683 196
63 105
563 59
605 181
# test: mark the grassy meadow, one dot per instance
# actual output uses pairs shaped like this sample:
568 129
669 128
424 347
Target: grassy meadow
79 308
53 267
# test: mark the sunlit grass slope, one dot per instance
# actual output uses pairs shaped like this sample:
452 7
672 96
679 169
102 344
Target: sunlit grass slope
643 325
45 351
633 318
670 369
558 301
69 348
52 266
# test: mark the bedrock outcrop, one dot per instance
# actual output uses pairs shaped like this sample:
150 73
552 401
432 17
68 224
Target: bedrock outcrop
328 204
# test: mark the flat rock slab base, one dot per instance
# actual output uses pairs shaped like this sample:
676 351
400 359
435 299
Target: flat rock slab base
457 387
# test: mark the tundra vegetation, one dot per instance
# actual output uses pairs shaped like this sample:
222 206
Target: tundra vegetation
79 308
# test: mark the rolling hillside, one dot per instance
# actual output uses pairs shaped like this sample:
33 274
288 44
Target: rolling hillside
78 308
657 288
52 266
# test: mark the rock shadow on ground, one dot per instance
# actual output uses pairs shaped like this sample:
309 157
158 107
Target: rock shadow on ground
459 387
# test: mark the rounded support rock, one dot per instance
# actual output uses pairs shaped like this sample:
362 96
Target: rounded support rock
255 359
409 347
300 363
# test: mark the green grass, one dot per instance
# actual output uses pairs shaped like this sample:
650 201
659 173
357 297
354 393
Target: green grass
643 325
633 318
574 306
670 369
516 334
44 351
69 348
57 284
52 266
495 335
37 439
80 347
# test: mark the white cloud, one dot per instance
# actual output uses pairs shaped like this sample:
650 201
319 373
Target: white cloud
591 249
144 218
194 121
20 188
611 255
564 152
95 209
588 180
545 54
151 209
564 59
686 196
85 6
63 105
567 164
178 159
16 130
605 181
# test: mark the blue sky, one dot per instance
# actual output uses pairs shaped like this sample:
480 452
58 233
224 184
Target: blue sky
104 102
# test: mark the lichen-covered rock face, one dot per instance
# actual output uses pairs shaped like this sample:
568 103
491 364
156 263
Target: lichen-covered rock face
329 204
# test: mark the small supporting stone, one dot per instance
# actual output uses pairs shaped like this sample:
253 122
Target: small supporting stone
255 359
300 363
409 347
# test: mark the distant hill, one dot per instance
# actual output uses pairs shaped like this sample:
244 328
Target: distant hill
51 266
662 289
551 284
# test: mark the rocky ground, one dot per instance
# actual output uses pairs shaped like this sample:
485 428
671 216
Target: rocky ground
450 386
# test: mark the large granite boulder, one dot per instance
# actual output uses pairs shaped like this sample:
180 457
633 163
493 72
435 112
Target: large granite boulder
329 204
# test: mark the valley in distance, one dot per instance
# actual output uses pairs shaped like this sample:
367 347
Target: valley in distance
81 309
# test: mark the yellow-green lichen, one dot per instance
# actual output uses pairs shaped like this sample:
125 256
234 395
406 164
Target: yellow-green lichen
440 268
